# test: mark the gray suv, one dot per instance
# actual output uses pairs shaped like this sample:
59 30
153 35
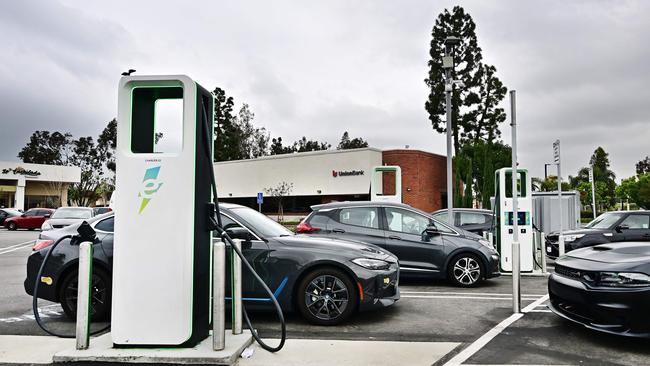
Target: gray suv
423 245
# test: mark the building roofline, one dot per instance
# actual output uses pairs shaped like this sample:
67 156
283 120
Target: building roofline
300 154
414 151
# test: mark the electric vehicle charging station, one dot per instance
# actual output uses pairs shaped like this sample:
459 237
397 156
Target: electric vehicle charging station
162 262
377 184
503 207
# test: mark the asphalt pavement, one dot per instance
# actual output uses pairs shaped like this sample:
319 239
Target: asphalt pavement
429 311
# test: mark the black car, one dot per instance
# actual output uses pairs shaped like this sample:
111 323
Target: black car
326 280
474 220
605 287
609 227
424 246
6 213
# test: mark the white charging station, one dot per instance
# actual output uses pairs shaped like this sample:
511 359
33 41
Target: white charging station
377 184
504 219
162 244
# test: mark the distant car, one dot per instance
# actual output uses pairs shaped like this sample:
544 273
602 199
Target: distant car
326 280
609 227
31 219
474 220
605 287
100 210
64 216
5 213
423 245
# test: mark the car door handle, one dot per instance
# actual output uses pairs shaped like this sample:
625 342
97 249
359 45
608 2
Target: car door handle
394 237
340 231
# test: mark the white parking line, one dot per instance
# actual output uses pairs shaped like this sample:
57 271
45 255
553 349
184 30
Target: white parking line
16 245
465 293
463 297
43 312
27 244
478 344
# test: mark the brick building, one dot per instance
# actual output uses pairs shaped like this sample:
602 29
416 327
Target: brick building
332 175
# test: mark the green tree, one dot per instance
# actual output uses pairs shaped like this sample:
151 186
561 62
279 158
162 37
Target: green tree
475 111
643 166
280 191
640 192
228 136
475 165
254 142
347 143
604 179
304 145
86 157
277 148
549 184
624 190
45 147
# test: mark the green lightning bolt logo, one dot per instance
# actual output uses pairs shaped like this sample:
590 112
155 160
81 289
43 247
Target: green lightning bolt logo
150 185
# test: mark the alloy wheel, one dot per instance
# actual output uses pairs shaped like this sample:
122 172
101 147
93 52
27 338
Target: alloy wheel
326 297
98 292
467 271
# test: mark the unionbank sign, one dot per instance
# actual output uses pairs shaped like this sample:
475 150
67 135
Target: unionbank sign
346 173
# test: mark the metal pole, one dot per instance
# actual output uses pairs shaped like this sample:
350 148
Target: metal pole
219 293
491 238
593 192
559 198
236 290
83 294
516 295
450 189
542 239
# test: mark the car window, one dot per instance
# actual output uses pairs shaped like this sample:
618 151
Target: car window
604 221
637 221
72 213
360 216
260 223
318 219
405 221
31 213
106 225
442 216
471 218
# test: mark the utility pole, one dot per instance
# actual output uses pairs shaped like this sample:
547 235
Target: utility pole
556 156
593 191
516 275
448 65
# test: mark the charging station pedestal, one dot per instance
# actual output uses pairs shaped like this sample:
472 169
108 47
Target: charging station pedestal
162 243
377 184
504 219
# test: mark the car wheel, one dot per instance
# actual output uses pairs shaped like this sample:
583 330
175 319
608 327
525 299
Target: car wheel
326 296
100 307
465 270
12 226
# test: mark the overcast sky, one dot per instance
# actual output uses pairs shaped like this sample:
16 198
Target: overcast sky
312 68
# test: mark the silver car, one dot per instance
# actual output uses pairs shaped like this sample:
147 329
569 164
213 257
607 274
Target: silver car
65 216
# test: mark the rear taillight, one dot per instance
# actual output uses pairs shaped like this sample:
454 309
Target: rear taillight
305 228
40 244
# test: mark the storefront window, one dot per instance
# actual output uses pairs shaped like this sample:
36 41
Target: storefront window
42 201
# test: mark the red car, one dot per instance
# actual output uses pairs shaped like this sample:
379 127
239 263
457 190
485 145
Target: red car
32 219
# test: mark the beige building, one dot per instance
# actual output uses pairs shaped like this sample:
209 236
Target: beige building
25 186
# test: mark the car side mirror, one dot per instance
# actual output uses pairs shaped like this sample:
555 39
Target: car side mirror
431 230
238 232
620 228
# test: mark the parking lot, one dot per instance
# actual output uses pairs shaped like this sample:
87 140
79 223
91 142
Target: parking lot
478 320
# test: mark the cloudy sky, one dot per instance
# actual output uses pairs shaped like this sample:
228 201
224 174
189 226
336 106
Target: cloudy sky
317 68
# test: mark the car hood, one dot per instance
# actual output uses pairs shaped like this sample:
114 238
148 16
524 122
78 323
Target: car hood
64 221
580 231
354 248
630 252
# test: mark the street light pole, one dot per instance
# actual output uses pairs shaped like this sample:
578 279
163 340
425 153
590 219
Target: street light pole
448 65
516 285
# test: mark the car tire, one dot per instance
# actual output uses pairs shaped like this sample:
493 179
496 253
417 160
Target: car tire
326 296
12 226
465 270
101 295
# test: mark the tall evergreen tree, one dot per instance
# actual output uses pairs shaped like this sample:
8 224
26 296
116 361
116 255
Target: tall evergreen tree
643 166
347 143
475 112
228 136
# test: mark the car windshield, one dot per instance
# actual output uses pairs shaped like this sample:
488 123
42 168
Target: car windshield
72 213
12 212
604 221
261 223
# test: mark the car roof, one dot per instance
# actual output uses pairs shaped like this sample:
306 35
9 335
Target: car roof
75 208
359 203
646 212
459 209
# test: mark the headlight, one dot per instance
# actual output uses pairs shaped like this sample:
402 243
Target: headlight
371 263
46 226
623 279
486 243
568 238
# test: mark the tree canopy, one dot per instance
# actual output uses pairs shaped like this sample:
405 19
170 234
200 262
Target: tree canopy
347 143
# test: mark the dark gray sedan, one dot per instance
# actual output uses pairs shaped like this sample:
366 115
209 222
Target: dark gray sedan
423 245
